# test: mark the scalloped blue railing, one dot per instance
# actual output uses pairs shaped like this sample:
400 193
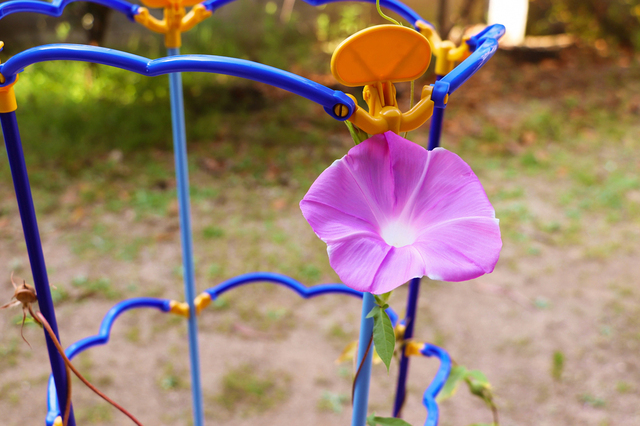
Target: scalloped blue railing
163 305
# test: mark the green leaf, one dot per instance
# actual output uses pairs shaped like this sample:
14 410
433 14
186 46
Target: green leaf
370 420
374 420
373 312
479 377
384 338
357 134
382 299
478 384
458 373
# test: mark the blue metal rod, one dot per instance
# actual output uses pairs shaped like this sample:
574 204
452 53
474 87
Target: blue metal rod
412 303
20 177
361 386
435 127
182 179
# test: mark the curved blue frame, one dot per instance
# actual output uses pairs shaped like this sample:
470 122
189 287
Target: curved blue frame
293 83
393 5
56 8
429 397
102 338
163 305
484 45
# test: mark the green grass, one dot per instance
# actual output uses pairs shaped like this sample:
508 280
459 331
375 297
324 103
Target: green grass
98 287
557 365
249 391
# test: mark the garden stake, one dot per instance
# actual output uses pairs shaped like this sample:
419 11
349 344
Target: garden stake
362 380
182 181
11 134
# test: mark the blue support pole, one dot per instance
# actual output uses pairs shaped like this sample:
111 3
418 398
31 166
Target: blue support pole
361 387
20 177
412 304
435 127
182 180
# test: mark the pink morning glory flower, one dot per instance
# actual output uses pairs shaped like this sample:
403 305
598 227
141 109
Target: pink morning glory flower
390 211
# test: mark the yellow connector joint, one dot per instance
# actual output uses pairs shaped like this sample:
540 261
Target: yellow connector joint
413 348
202 301
446 53
182 308
430 33
179 308
175 21
7 96
399 331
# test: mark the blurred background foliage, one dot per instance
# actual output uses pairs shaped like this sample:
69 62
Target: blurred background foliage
616 22
74 113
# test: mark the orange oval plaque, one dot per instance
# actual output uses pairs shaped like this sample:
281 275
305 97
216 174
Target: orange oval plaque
381 53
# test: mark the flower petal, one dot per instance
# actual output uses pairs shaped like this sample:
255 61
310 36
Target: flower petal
410 163
460 249
399 266
370 166
449 190
331 224
345 185
357 260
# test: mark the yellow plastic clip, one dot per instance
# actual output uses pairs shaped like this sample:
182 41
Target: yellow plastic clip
399 331
445 51
413 348
179 308
375 58
7 95
175 20
182 308
202 301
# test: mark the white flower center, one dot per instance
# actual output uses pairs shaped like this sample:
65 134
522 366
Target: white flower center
398 234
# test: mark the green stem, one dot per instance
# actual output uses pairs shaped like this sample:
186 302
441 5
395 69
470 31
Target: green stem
411 100
388 18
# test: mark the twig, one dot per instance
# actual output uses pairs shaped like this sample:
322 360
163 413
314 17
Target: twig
67 407
366 353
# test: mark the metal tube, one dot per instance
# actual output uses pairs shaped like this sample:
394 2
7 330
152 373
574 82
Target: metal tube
361 386
182 180
20 177
412 304
435 127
